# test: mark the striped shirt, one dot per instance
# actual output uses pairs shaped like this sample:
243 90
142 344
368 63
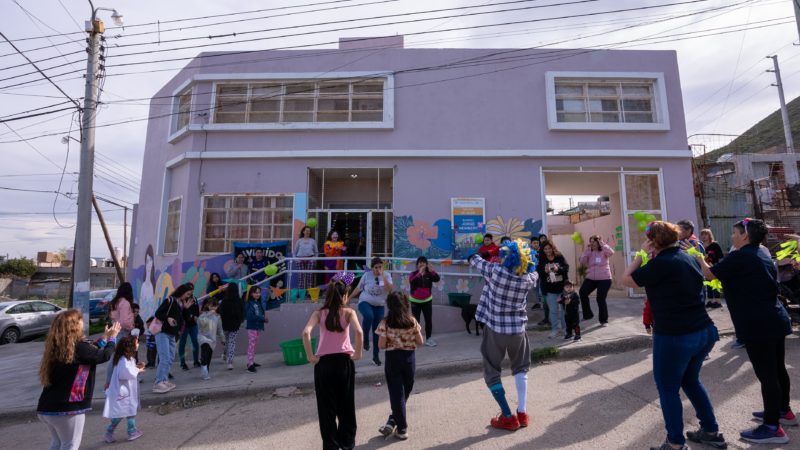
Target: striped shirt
503 304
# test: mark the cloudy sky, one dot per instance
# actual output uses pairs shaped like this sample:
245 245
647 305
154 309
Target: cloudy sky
721 45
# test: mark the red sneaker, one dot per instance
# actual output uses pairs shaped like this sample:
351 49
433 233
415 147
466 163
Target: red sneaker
505 423
523 419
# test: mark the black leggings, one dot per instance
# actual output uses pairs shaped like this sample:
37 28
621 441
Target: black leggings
427 310
205 355
767 358
334 382
587 288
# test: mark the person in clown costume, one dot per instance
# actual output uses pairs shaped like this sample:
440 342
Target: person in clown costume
502 309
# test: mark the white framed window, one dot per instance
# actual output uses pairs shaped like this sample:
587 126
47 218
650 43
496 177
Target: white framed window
300 101
182 110
172 231
229 218
607 101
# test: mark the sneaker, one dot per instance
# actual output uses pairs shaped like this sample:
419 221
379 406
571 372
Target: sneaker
787 418
702 436
568 336
134 435
666 446
204 372
649 330
737 344
430 343
251 369
184 366
505 423
604 324
162 388
543 323
197 364
552 335
109 437
764 434
230 366
386 429
401 434
522 417
376 361
577 338
171 384
537 306
256 364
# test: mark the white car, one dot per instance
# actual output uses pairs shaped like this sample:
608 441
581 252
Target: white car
25 318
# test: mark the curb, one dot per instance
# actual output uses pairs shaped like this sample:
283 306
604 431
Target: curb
566 353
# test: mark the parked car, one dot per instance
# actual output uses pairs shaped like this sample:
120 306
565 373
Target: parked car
25 318
98 309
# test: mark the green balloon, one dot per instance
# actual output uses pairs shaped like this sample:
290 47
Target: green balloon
312 222
650 218
642 226
479 239
271 270
639 216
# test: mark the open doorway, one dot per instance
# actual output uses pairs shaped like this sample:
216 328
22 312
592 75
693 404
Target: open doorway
603 203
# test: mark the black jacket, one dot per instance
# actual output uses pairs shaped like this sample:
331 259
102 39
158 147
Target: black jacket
232 313
557 286
64 380
191 314
170 308
138 323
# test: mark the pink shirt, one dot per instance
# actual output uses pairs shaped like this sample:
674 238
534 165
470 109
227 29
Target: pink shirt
331 342
597 267
123 314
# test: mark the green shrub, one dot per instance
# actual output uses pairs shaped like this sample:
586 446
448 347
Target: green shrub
21 267
544 353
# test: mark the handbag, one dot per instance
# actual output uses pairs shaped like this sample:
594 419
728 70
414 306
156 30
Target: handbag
155 325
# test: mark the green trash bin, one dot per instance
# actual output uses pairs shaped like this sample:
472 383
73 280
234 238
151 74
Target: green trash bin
459 299
293 352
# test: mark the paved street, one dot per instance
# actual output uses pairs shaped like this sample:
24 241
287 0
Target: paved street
606 402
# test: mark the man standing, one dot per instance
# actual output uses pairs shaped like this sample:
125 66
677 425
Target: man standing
502 308
257 265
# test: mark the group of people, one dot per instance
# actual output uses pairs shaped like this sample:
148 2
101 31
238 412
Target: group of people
684 334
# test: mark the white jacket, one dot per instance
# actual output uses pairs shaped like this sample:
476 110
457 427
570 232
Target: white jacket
210 329
122 396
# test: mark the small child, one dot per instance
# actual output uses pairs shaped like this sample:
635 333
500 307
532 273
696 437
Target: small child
138 323
210 330
150 343
400 334
571 301
647 317
122 396
256 318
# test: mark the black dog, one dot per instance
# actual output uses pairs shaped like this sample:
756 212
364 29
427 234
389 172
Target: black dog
468 314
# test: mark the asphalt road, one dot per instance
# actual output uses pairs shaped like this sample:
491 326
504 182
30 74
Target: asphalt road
608 402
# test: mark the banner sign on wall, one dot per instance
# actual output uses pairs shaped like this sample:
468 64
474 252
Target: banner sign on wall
274 252
468 218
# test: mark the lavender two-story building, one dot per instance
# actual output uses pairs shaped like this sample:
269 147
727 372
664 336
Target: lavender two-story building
393 147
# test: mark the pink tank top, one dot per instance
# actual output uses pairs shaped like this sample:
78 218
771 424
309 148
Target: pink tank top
331 342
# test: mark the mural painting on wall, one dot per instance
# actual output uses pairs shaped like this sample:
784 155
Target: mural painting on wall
420 238
152 284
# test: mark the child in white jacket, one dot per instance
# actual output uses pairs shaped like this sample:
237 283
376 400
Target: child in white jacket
210 329
122 395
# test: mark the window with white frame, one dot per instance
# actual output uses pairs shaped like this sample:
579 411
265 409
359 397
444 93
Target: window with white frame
607 101
300 101
183 111
244 218
172 232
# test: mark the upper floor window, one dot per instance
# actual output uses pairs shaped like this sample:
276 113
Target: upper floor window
184 110
172 232
300 101
606 101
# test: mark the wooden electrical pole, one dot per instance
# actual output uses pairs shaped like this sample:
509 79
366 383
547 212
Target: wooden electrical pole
120 274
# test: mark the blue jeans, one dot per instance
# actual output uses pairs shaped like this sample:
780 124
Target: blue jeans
189 332
677 361
556 312
371 318
165 344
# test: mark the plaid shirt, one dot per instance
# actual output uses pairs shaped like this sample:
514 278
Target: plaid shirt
503 304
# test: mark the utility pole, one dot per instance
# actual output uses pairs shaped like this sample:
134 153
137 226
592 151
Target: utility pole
108 239
787 126
83 229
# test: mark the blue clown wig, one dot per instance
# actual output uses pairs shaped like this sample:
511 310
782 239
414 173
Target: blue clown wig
517 257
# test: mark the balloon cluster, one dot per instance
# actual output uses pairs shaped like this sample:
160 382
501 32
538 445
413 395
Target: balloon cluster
577 238
788 250
311 223
642 220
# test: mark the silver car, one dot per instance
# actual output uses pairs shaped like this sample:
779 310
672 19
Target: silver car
25 318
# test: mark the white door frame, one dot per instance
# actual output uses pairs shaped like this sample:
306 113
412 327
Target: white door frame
369 212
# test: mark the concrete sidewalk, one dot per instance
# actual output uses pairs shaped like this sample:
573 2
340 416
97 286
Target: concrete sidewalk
456 353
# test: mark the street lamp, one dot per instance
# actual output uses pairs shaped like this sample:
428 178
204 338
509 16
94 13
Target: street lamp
83 228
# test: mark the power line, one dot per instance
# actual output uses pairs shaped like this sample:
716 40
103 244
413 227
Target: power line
45 113
5 188
35 109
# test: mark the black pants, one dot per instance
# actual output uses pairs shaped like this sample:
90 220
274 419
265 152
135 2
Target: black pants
151 356
587 288
205 355
767 358
399 369
427 310
334 382
572 319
